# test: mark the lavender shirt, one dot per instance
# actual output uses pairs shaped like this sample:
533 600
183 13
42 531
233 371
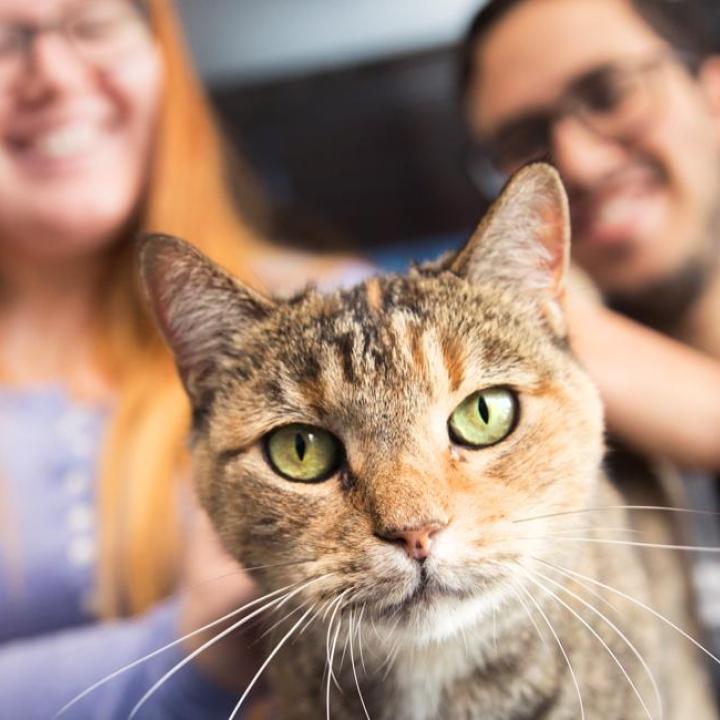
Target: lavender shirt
51 645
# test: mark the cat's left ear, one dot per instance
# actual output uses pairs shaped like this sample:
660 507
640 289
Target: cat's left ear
202 311
524 242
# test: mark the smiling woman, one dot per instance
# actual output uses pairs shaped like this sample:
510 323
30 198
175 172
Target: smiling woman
104 132
72 169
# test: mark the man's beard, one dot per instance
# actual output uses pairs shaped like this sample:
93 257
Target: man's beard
665 304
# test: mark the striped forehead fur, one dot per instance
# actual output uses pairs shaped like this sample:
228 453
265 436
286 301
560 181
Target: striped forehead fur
320 351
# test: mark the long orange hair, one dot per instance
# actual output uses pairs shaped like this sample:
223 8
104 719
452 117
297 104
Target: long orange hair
144 452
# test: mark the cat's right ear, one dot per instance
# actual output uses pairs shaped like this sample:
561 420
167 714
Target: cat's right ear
524 242
201 310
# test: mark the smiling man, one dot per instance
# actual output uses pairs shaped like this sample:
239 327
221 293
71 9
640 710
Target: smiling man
624 97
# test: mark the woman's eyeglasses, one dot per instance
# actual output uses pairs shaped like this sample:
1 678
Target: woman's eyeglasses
99 31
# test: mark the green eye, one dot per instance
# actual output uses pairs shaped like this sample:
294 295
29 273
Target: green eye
484 418
303 453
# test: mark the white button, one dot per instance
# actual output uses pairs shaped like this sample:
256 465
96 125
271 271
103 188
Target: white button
76 482
82 551
80 518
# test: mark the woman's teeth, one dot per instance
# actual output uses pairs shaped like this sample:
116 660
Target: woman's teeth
66 141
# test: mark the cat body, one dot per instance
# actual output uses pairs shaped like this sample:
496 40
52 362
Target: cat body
416 465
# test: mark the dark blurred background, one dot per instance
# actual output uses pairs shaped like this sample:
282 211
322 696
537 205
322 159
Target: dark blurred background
346 114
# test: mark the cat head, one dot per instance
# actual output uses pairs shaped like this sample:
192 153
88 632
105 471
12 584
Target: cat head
388 438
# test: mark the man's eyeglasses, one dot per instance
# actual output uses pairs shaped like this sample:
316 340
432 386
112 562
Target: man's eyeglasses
616 101
99 31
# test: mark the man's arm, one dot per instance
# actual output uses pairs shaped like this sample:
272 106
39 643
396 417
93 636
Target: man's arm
661 396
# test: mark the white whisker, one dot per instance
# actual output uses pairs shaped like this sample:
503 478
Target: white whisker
631 543
390 661
164 648
360 639
277 601
352 664
557 640
331 675
328 630
350 600
327 609
176 668
635 601
285 617
596 594
634 650
595 634
374 627
250 686
311 619
616 529
610 508
252 568
528 611
337 602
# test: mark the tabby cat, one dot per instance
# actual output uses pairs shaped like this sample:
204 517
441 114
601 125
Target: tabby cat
416 465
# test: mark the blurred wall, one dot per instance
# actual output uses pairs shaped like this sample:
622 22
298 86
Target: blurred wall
347 113
251 40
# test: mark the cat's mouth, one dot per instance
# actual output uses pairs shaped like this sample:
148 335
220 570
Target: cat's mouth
426 593
434 605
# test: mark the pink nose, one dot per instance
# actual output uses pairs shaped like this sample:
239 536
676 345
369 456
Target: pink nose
416 542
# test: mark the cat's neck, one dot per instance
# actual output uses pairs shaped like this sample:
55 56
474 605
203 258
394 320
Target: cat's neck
402 678
424 676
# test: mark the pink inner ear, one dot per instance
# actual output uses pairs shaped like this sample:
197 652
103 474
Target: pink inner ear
160 291
552 237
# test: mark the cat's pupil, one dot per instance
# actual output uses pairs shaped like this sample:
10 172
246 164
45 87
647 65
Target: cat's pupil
483 409
300 446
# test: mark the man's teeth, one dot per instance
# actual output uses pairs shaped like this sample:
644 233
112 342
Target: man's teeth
66 141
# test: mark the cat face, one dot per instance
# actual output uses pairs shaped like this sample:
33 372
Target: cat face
389 437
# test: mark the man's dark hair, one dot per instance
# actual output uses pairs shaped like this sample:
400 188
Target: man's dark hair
690 26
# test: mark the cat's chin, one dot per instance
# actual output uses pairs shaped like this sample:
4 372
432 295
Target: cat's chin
431 615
